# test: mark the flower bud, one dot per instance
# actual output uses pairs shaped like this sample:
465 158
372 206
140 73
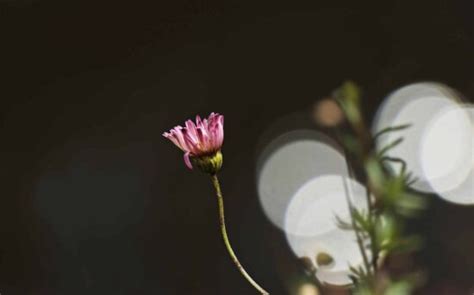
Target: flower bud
210 164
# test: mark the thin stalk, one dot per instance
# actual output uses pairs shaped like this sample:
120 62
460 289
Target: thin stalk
358 235
220 202
372 216
365 139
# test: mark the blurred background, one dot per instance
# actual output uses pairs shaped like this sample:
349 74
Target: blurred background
94 201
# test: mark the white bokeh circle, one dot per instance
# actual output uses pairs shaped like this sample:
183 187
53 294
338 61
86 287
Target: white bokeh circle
290 161
311 226
314 207
448 155
416 104
446 149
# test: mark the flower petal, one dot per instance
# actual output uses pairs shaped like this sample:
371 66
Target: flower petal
201 137
178 133
172 138
191 131
187 160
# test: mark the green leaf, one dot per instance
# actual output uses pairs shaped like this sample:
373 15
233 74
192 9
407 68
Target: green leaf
375 173
344 225
390 146
348 95
363 220
400 161
386 231
408 204
391 129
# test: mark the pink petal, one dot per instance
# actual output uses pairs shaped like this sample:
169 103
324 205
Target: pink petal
191 142
187 161
203 135
200 137
178 133
172 138
191 128
204 124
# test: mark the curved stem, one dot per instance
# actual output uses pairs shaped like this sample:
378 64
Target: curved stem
220 201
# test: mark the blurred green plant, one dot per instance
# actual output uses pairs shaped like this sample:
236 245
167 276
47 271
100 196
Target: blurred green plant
379 229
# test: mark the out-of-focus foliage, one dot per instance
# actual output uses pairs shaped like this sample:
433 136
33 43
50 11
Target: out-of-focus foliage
380 230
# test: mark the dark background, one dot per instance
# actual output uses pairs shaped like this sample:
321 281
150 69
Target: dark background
94 201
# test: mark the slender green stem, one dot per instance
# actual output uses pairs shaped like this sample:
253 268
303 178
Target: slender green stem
358 234
220 201
372 236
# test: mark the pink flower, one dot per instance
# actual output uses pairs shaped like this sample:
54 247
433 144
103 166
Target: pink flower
203 138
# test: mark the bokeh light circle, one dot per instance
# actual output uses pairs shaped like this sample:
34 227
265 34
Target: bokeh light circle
314 230
290 161
416 104
314 207
448 155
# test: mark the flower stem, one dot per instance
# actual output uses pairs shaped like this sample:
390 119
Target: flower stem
220 201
